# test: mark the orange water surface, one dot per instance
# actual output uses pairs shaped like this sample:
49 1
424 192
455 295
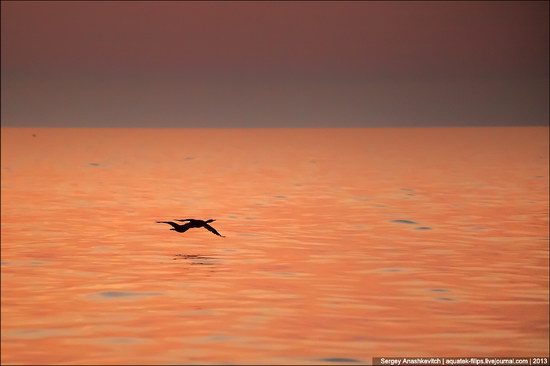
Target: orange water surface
341 245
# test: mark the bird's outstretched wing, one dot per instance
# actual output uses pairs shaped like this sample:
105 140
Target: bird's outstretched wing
173 224
211 229
185 220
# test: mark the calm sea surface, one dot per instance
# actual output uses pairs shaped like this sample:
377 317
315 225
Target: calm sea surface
341 245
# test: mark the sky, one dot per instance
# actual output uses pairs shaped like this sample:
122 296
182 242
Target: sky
274 64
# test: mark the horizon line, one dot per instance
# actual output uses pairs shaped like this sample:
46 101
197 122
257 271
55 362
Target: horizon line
280 127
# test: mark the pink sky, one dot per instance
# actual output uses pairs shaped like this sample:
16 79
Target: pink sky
393 37
450 47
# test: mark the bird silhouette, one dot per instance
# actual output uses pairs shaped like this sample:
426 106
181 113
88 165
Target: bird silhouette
191 223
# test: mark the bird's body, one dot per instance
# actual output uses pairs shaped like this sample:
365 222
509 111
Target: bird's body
191 223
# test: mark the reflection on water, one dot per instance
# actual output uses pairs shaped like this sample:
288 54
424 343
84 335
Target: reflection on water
341 245
404 221
117 294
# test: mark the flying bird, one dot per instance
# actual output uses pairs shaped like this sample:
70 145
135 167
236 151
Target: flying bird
191 223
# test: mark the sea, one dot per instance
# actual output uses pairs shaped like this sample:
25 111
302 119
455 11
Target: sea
341 244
